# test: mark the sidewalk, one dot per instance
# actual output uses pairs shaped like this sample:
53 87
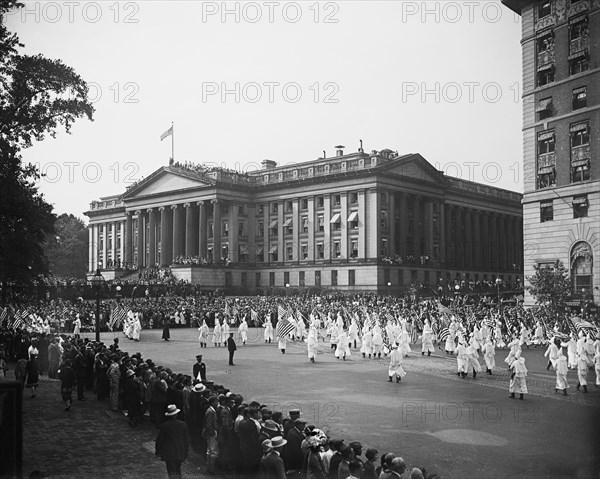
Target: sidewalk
89 441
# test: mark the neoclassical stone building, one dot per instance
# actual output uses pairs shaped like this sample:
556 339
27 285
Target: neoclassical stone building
358 221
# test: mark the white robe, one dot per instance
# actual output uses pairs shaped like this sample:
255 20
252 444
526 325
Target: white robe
395 368
489 354
268 330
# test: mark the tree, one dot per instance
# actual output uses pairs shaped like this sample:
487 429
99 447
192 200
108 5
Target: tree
550 285
67 249
37 96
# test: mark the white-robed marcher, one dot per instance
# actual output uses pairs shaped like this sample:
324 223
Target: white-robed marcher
404 345
353 333
597 361
450 344
489 354
538 338
137 328
243 330
342 350
462 358
498 333
518 381
311 343
217 333
268 334
282 343
333 333
300 327
203 334
515 347
473 363
571 346
561 373
77 326
582 371
224 332
552 353
395 368
477 338
367 343
377 341
427 339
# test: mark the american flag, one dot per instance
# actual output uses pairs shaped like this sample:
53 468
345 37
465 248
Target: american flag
281 313
18 323
585 327
284 327
3 314
444 333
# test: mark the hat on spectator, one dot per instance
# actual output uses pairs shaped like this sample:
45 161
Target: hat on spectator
294 412
199 387
278 441
172 410
129 373
270 425
266 445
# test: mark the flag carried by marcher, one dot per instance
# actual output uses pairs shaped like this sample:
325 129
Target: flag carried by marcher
585 326
284 327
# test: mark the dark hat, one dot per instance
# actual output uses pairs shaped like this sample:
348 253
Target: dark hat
294 412
299 421
199 356
271 425
355 445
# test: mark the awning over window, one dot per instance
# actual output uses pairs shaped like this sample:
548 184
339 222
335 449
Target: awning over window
273 249
584 162
353 216
578 127
544 105
288 222
335 218
273 224
577 91
545 135
259 251
546 169
547 66
579 54
243 249
580 200
546 204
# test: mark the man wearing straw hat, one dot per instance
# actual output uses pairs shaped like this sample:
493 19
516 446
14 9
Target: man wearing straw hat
172 442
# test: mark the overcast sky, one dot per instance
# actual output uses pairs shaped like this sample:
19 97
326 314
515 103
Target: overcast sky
247 81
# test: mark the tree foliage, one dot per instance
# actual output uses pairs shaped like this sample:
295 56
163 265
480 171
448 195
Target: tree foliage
550 285
67 249
38 96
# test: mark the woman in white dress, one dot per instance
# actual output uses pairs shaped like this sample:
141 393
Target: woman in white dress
203 334
342 350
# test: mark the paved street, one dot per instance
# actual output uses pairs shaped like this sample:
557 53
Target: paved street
460 428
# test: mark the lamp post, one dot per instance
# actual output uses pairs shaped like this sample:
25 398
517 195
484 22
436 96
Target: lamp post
498 283
389 285
582 302
118 295
287 289
97 283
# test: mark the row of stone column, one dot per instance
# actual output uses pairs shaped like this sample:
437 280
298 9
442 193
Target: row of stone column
98 250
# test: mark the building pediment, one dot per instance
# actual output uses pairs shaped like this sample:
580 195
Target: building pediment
414 167
166 180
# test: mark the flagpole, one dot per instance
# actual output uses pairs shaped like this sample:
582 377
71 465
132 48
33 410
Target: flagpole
173 141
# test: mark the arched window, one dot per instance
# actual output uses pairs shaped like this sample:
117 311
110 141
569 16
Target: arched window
581 267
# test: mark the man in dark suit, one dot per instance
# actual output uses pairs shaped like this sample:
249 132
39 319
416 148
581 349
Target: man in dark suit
271 464
199 367
209 433
172 442
231 347
292 454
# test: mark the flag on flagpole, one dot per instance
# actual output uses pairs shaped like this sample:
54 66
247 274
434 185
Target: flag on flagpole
167 133
284 327
444 333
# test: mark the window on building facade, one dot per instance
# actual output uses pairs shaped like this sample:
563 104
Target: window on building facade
286 278
317 278
301 278
384 247
320 251
274 208
273 254
225 209
336 222
304 203
228 278
261 209
580 171
334 278
260 254
546 143
289 206
353 220
260 229
579 98
273 228
225 252
544 8
288 226
305 224
289 252
320 202
321 223
241 226
241 210
580 206
546 159
579 64
271 278
244 279
210 230
353 198
225 228
544 108
580 134
337 249
383 219
546 211
351 277
582 259
337 200
547 178
304 251
545 76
